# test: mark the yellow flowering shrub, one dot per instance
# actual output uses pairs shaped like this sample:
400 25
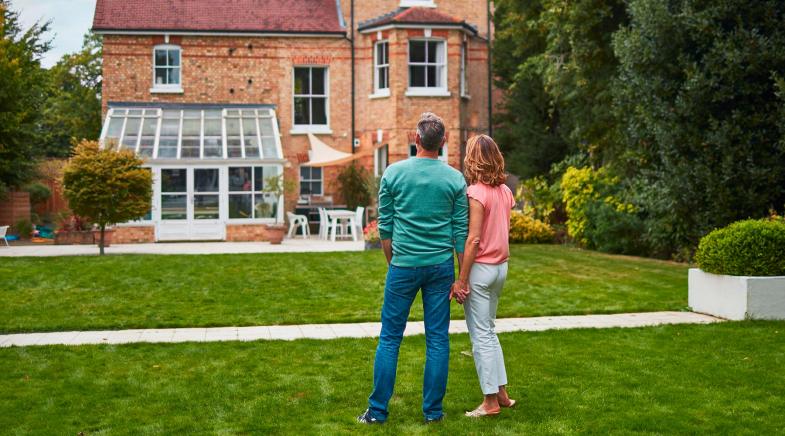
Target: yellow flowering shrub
525 229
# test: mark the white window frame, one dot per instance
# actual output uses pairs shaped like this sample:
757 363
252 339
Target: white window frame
253 193
417 3
311 180
464 84
378 91
168 87
381 159
299 129
427 91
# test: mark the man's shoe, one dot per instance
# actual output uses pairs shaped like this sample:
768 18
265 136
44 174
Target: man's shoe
366 418
434 420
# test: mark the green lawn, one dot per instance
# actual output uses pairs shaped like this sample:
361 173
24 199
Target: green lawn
145 291
693 379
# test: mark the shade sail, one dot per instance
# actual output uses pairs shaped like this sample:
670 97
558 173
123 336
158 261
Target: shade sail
322 155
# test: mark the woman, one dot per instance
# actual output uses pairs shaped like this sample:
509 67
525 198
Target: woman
484 267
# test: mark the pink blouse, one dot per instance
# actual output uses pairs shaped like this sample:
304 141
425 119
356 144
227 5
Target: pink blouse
497 201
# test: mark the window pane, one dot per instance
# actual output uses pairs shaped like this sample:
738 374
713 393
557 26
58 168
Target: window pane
167 148
266 124
190 148
174 57
249 127
240 206
258 179
265 206
131 134
302 111
115 127
318 78
416 51
319 107
233 126
416 76
173 180
213 147
316 173
269 148
160 58
173 207
206 180
301 81
432 76
305 172
239 178
234 147
251 147
160 76
383 78
206 207
433 51
173 76
192 127
149 126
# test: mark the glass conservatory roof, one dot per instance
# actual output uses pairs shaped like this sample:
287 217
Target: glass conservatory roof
194 132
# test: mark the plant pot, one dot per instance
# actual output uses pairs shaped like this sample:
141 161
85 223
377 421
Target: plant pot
74 237
737 297
275 233
373 245
107 237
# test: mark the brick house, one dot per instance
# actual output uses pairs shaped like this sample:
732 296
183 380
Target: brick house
218 96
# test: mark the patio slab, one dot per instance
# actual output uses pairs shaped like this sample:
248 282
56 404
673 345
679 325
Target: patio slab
353 330
296 245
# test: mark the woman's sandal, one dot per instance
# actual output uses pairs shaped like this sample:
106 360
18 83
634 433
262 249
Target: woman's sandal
509 406
480 413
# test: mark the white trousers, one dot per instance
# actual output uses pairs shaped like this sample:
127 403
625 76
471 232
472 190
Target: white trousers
486 282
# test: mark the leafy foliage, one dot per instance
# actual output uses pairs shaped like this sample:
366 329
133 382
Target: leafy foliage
556 60
73 103
525 229
39 193
21 96
699 93
745 248
354 182
107 186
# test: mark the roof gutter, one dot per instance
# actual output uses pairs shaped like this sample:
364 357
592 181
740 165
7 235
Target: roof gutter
302 34
462 26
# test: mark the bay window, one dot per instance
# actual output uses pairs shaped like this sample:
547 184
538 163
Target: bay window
427 67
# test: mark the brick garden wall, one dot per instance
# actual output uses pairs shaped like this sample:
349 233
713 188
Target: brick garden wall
246 232
14 207
133 234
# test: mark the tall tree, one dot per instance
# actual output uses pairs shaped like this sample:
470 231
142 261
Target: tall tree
73 106
21 96
698 90
556 60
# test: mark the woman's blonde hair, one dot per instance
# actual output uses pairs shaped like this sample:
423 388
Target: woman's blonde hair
484 162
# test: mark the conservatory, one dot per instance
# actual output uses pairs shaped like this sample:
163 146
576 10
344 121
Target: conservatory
212 165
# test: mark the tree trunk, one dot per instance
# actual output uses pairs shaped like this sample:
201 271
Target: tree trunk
101 242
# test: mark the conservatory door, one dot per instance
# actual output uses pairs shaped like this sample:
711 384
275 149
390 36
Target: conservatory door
190 204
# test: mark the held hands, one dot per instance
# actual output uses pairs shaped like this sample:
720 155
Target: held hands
459 290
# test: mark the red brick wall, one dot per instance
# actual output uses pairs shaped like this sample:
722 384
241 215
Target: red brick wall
133 234
246 232
14 207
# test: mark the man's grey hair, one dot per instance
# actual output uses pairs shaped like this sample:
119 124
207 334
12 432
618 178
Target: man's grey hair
430 128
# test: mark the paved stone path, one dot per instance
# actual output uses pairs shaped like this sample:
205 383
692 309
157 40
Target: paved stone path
296 245
334 331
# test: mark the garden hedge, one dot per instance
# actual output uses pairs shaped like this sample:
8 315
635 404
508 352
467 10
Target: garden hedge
745 248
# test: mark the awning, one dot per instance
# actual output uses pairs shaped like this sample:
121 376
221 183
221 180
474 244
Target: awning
322 155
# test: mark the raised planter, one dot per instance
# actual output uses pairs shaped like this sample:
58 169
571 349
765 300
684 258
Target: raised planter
74 237
737 297
107 237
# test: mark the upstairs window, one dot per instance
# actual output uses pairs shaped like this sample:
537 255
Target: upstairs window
166 68
310 96
427 67
381 71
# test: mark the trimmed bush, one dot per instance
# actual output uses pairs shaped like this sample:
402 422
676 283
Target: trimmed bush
525 229
744 248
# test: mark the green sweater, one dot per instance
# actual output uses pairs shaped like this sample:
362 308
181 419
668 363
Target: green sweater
424 210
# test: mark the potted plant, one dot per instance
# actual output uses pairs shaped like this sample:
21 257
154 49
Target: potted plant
742 271
371 236
276 186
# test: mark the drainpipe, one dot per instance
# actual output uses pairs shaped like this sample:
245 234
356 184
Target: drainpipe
353 96
490 74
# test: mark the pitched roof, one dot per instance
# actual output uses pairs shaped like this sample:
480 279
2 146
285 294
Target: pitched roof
417 16
252 16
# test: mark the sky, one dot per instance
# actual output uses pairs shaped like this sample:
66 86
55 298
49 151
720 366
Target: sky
71 19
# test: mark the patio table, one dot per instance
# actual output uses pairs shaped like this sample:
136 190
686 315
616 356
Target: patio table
336 215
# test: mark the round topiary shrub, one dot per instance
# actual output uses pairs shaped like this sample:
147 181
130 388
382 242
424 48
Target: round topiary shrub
744 248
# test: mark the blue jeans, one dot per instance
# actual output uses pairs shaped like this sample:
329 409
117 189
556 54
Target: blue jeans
399 292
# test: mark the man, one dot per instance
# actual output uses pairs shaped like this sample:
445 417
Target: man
422 218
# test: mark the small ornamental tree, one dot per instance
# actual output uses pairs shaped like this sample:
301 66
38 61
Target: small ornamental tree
107 186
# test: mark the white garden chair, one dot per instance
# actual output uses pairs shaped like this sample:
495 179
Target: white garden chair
3 231
298 220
